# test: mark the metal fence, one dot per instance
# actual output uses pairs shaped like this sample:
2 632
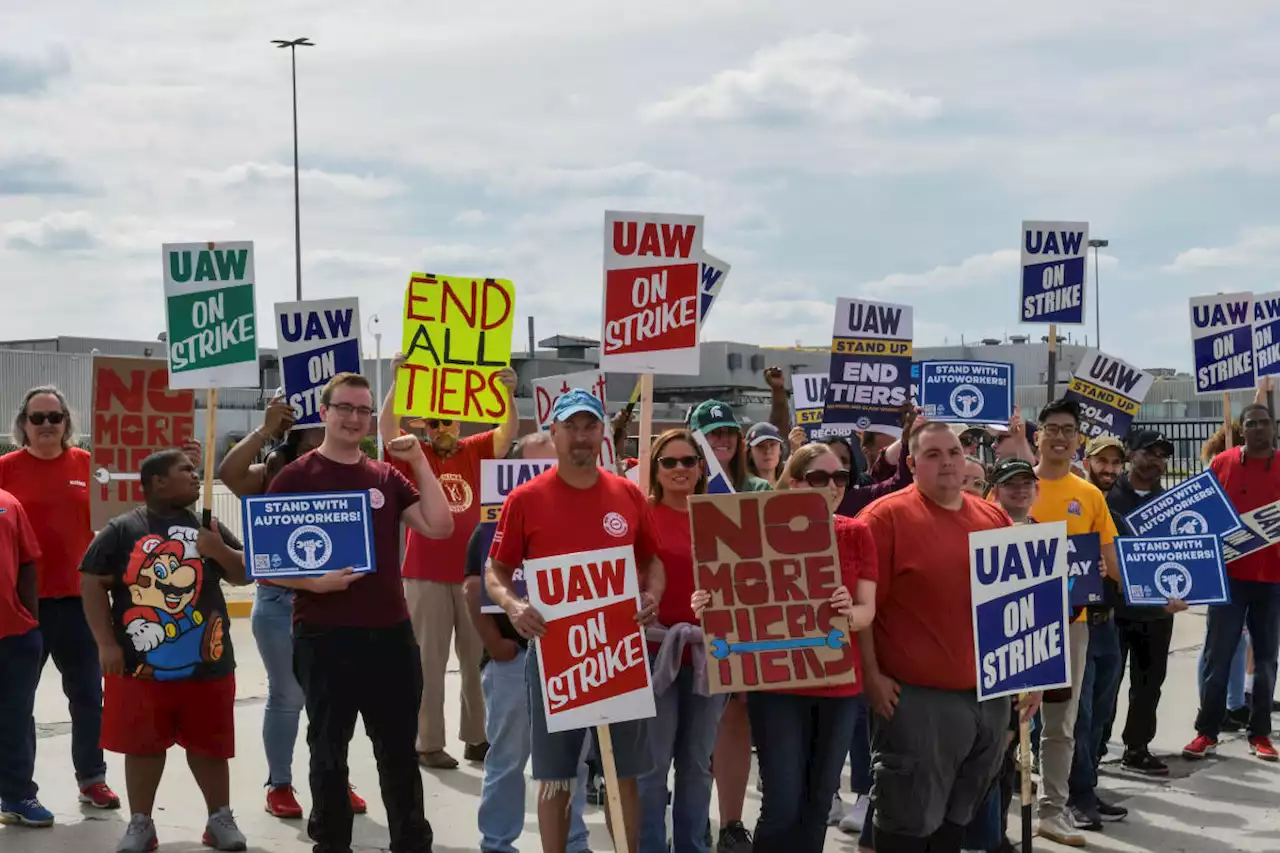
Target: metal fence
1187 438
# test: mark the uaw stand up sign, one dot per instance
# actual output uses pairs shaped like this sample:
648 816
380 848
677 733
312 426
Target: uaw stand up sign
288 536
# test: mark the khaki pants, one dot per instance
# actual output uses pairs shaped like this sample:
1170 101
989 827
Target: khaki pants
439 611
1058 740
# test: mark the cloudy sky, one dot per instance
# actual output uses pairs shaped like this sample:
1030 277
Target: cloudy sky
887 150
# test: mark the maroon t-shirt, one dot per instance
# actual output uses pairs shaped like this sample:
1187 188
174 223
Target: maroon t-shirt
375 601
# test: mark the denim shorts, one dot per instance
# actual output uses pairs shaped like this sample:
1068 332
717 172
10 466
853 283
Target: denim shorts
556 756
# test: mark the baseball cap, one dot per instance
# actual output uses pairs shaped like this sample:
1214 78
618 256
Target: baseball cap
1007 469
712 414
1144 439
576 400
762 432
1100 443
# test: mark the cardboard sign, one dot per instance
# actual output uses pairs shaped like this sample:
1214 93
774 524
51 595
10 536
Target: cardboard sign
1266 333
769 561
1157 570
1195 507
498 479
317 340
1222 342
1084 569
1110 392
548 389
1018 576
712 273
1053 272
652 293
135 414
457 337
967 392
870 365
211 327
594 664
1260 529
291 536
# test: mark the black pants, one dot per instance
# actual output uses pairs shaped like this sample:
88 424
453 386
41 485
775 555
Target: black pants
377 674
1145 644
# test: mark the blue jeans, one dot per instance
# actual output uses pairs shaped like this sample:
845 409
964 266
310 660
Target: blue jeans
801 744
19 674
1254 605
272 623
508 729
684 731
1098 691
1235 682
68 640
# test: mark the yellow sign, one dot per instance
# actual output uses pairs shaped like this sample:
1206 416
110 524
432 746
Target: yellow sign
1102 395
457 336
870 346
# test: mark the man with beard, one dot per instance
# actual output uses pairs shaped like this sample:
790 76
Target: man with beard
434 569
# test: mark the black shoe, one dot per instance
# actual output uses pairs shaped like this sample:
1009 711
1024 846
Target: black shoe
475 752
734 838
1142 761
1110 813
1236 720
1087 819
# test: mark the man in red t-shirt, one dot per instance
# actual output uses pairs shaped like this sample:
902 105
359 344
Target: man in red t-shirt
575 507
935 748
433 571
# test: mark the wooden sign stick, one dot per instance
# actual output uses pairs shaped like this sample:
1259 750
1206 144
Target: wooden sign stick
210 444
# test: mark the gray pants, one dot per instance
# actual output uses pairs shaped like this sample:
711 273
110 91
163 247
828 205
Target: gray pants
1058 740
936 759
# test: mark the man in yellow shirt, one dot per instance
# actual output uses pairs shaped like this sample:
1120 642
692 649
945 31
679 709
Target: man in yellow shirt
1063 496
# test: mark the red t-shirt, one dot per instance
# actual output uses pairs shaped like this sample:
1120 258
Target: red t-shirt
1249 484
375 601
18 546
445 560
55 495
924 609
675 549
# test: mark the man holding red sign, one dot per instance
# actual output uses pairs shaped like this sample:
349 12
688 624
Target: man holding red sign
607 512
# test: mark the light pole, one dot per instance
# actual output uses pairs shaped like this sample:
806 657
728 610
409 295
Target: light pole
375 328
297 218
1097 289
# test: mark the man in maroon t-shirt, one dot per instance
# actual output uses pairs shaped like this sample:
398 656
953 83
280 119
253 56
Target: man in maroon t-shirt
433 572
353 649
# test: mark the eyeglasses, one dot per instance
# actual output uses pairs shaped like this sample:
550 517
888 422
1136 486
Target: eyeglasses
39 418
347 410
1063 430
670 463
822 479
436 424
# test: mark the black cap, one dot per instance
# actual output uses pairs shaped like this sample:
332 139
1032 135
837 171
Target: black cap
1145 439
1010 467
761 432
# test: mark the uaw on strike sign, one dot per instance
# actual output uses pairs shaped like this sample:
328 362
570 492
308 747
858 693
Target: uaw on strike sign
1222 342
318 340
1053 272
593 661
652 293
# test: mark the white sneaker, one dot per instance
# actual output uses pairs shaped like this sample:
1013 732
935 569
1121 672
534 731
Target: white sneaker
856 816
837 811
1057 829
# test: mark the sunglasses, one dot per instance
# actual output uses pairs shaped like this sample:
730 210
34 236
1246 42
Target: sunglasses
39 418
435 424
670 463
822 479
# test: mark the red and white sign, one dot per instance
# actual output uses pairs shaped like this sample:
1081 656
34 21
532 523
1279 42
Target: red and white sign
549 388
595 668
651 293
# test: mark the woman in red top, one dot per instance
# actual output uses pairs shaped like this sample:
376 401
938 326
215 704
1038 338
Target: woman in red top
803 736
684 730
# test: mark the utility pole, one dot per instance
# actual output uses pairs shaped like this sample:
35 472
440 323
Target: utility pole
1097 288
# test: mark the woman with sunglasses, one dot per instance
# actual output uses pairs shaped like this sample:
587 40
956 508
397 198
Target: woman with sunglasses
684 730
802 736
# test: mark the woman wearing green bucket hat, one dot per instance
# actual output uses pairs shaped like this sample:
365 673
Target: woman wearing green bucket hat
716 421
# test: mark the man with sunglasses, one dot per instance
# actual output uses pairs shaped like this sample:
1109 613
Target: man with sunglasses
434 571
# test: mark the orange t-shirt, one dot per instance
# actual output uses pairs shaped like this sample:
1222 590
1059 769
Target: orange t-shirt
924 609
444 560
55 495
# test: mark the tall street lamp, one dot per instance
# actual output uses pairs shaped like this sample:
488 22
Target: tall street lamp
375 326
297 220
1097 289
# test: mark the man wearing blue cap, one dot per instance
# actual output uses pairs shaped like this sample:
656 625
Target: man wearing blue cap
571 508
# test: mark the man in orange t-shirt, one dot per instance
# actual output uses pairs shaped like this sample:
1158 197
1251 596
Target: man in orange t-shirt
434 569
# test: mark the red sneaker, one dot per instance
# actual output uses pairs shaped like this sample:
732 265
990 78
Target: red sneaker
1200 747
281 802
1261 747
99 796
359 806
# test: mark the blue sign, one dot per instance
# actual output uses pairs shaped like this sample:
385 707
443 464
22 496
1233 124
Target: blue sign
289 536
1266 333
711 275
318 340
1195 507
1222 342
1261 529
967 392
1186 568
498 479
1053 272
870 376
1018 580
1084 575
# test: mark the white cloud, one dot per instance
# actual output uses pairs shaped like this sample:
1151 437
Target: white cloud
1257 247
254 174
470 217
805 77
973 271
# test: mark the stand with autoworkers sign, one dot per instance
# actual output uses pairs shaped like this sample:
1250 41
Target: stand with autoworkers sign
967 392
289 536
1183 568
1196 506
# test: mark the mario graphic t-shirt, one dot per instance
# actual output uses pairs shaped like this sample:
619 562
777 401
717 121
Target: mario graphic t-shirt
166 603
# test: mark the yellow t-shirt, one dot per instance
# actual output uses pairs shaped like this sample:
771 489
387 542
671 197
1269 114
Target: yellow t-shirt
1079 503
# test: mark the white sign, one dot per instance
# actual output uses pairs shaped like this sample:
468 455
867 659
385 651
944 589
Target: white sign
211 324
548 389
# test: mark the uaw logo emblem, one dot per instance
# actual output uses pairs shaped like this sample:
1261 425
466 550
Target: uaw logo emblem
458 492
309 547
1173 581
966 401
1189 523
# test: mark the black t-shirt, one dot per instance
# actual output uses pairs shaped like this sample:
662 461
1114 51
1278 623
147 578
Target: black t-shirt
477 554
166 603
